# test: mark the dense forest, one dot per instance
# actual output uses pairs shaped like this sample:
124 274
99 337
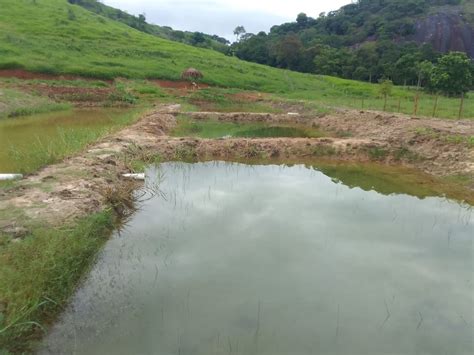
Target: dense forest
367 40
197 39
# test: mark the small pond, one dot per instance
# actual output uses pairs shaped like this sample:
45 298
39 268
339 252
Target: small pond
25 142
188 127
239 259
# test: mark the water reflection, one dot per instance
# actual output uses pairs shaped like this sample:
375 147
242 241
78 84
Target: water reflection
240 259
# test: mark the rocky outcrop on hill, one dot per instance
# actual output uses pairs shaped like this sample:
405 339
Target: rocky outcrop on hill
446 31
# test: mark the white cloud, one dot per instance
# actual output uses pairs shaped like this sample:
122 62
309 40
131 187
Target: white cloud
222 16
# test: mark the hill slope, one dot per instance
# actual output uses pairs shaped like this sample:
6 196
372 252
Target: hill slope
53 36
197 39
365 40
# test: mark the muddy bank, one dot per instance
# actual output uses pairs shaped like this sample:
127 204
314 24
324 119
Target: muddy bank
438 147
82 185
443 147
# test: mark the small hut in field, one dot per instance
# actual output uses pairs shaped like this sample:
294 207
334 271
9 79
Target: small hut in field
192 75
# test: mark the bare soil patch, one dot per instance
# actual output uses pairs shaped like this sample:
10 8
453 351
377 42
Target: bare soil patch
74 94
445 147
182 85
24 74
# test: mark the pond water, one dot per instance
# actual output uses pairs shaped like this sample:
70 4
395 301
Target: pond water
239 259
189 127
25 141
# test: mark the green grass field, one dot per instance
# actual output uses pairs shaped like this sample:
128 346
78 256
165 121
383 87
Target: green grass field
52 36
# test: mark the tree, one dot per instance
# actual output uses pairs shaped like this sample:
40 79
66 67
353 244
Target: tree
197 38
253 48
424 70
239 31
368 58
289 52
406 69
385 90
452 74
302 19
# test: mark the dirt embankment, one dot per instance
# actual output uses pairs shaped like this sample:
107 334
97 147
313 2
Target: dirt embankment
436 146
83 184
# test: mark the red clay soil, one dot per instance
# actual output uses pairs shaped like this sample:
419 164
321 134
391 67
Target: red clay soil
168 84
27 75
70 94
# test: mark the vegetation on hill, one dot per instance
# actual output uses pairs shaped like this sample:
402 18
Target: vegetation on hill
367 40
139 22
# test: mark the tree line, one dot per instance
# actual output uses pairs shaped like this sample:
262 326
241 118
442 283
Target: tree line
368 40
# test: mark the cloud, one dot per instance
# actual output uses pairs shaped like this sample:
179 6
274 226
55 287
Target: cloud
220 16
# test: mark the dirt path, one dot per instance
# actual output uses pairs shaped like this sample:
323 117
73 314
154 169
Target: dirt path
85 183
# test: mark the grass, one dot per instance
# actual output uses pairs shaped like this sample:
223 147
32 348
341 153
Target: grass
38 275
364 96
187 127
41 36
15 103
228 100
448 138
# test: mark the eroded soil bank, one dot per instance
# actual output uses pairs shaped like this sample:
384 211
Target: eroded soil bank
83 184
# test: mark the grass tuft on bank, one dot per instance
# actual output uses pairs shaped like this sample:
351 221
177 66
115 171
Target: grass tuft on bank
38 275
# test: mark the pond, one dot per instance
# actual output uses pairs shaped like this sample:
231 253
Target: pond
27 143
188 127
237 259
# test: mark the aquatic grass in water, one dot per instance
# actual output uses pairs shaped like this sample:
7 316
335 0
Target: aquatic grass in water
217 129
27 144
277 260
44 152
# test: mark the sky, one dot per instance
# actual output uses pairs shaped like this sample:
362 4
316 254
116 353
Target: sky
222 16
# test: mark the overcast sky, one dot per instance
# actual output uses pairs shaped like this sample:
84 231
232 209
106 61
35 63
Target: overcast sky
222 16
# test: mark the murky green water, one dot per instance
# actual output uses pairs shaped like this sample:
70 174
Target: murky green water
24 139
276 131
237 259
188 127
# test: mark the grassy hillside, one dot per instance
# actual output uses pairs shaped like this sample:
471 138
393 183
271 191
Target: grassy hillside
53 36
197 39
